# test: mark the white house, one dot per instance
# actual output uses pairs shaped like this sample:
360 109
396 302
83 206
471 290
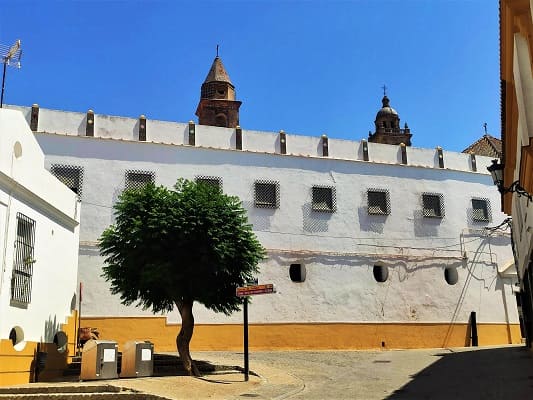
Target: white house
369 245
39 235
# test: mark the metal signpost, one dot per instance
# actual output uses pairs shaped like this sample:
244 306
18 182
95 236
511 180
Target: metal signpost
246 291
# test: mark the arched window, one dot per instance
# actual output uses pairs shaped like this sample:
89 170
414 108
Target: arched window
221 120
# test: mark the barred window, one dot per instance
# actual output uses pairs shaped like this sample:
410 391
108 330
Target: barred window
136 179
323 199
214 181
432 205
378 202
70 175
481 210
23 260
266 194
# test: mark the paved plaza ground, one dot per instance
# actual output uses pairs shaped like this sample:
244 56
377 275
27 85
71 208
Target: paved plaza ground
459 373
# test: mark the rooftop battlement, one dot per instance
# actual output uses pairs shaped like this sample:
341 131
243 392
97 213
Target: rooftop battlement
190 134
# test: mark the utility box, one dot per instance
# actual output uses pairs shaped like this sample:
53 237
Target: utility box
99 360
137 359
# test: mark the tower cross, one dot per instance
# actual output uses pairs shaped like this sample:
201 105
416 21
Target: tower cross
485 127
217 50
384 90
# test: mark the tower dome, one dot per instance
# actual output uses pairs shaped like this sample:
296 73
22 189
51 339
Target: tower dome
386 110
387 124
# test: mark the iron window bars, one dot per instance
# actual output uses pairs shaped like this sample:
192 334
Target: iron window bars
214 181
70 175
432 205
23 260
136 179
481 211
266 194
323 199
378 202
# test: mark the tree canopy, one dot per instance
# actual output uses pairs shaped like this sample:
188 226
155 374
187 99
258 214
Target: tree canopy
189 243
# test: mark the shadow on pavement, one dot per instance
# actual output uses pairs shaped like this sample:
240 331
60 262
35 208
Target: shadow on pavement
170 365
500 373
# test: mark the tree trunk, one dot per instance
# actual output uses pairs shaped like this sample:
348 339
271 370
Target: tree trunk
184 337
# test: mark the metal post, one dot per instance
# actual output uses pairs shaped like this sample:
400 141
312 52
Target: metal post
473 327
3 85
78 352
246 365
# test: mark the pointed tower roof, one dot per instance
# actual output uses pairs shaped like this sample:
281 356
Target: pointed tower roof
217 73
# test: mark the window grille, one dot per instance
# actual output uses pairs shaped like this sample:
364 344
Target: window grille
70 175
432 205
23 260
266 194
214 181
378 202
481 210
136 179
323 199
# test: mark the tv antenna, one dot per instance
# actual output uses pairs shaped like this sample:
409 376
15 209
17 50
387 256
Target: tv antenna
10 56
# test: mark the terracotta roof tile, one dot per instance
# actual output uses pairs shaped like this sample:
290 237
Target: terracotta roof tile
486 146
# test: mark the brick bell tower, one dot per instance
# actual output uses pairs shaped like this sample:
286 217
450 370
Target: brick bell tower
217 106
388 129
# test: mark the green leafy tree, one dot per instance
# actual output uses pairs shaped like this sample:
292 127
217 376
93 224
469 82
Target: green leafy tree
172 247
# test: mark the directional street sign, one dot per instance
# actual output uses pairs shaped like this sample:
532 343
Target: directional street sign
246 291
255 289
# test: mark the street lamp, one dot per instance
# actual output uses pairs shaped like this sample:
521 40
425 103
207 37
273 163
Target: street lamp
496 171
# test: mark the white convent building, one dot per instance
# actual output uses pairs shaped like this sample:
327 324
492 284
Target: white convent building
370 245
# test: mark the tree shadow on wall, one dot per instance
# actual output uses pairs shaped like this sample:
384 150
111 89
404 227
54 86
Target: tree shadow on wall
490 373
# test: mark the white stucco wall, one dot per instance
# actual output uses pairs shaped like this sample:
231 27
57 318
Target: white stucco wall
27 187
339 249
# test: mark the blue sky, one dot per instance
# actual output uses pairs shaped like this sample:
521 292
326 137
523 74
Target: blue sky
307 67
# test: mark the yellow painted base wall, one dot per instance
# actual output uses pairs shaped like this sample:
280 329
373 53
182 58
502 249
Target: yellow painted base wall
311 336
18 367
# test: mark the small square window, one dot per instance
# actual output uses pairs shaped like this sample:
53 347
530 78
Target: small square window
214 181
378 202
138 179
481 210
70 175
266 194
432 205
324 199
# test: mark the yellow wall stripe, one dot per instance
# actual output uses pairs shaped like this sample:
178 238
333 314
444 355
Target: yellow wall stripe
296 336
